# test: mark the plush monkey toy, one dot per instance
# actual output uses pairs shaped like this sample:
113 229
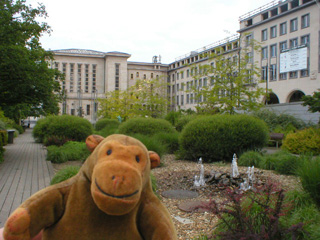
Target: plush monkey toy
110 198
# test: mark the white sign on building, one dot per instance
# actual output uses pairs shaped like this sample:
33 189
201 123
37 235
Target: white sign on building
294 60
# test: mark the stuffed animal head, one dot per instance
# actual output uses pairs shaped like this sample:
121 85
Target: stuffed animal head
119 171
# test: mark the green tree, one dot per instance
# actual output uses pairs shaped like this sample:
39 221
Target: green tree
147 98
228 82
312 101
27 84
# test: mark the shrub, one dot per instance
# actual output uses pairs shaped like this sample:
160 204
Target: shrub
71 151
309 173
146 126
304 141
253 215
183 121
282 120
109 123
283 162
152 144
2 125
65 174
250 158
3 137
172 117
171 140
107 131
69 127
218 137
55 140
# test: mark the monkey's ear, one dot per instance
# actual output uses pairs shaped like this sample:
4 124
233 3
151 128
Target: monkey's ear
154 159
93 141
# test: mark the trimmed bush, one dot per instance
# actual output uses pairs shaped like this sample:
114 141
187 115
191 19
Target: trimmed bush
172 117
183 121
71 151
171 140
145 126
309 173
152 144
107 131
106 123
66 126
250 158
65 174
3 137
218 137
304 141
283 162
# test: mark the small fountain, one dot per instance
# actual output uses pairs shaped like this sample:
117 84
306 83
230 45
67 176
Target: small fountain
234 167
248 182
199 180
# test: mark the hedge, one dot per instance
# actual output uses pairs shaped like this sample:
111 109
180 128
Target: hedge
218 137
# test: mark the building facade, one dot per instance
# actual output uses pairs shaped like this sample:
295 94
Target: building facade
288 34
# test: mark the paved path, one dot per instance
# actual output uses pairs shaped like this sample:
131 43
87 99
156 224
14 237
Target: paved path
23 172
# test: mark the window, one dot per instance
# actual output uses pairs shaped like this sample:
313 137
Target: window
88 109
283 28
283 46
205 82
94 74
305 21
188 73
79 77
182 74
117 76
283 76
294 43
264 73
264 35
304 73
273 72
144 76
137 74
73 112
273 50
294 25
305 40
131 76
188 98
293 74
191 98
151 75
273 32
249 57
178 87
264 53
182 99
71 76
248 40
87 78
177 76
178 100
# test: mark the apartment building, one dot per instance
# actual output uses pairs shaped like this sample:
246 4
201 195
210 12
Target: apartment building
89 75
288 33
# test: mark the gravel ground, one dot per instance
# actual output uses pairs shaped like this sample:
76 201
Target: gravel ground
178 174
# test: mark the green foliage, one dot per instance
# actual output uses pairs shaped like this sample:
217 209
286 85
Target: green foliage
302 210
173 117
152 144
309 173
312 101
2 125
106 123
71 151
146 126
281 123
3 137
70 127
304 141
107 131
171 140
283 162
183 121
218 137
144 99
250 158
65 174
27 83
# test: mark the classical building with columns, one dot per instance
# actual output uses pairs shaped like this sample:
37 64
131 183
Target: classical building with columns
289 61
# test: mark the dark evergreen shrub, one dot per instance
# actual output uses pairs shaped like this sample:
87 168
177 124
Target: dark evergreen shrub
171 140
183 121
146 126
152 144
283 162
106 123
172 117
218 137
250 158
70 127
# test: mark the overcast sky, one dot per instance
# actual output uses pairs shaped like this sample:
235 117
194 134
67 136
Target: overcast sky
142 28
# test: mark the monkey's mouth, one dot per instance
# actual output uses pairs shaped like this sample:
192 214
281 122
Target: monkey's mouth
114 196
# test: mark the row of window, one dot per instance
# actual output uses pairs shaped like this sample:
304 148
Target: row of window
144 76
272 73
293 43
305 22
71 76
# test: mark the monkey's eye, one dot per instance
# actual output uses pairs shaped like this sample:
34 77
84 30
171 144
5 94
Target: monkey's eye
109 152
137 159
